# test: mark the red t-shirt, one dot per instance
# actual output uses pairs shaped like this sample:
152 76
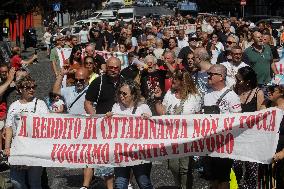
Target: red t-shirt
168 81
16 62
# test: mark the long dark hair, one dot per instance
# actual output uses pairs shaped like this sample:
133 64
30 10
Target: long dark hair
74 50
249 79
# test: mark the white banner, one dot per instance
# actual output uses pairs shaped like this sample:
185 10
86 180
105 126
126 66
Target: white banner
188 28
63 140
123 57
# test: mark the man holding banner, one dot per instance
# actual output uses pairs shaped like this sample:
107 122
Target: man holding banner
221 100
100 98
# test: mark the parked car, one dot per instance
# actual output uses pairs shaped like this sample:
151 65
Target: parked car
73 29
145 3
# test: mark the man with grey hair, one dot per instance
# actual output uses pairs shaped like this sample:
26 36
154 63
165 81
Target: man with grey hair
221 100
152 80
226 56
99 60
202 62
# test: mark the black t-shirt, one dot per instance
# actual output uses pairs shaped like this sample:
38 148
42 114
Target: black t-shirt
105 97
274 52
91 33
99 43
222 57
166 43
149 81
109 37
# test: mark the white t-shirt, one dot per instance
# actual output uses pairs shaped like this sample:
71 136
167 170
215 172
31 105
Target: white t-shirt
47 37
118 108
232 70
17 107
191 105
84 36
230 103
70 94
182 43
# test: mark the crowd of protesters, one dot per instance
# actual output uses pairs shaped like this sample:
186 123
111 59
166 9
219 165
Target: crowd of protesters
224 65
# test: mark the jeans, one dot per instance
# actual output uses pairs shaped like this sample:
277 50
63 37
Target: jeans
141 173
31 174
181 169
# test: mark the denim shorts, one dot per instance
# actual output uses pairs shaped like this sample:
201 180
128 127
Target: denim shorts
104 171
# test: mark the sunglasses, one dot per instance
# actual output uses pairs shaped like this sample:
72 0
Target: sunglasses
210 74
28 88
113 67
79 80
193 39
230 42
124 94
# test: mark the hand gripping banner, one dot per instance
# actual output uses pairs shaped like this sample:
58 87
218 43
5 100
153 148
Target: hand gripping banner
64 140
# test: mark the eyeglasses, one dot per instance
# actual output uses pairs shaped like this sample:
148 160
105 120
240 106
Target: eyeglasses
124 94
211 74
113 68
28 88
230 42
79 80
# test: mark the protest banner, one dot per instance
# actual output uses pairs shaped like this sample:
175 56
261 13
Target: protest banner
123 57
188 28
64 140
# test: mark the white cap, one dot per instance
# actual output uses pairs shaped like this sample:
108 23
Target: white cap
252 25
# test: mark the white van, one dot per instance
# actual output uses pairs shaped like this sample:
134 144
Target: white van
127 14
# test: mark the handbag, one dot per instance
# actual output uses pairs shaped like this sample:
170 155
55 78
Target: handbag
215 109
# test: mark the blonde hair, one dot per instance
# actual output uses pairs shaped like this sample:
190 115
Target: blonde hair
188 86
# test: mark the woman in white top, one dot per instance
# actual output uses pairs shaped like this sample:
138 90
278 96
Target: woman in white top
129 103
183 98
23 176
216 48
47 35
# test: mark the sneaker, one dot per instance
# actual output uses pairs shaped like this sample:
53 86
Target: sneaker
130 186
84 187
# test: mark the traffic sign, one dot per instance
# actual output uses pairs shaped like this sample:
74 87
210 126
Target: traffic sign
56 7
243 2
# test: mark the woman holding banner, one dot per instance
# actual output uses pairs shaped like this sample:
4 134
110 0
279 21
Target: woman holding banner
251 98
181 99
276 98
23 176
129 102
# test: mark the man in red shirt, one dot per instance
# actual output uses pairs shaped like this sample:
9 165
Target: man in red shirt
16 60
